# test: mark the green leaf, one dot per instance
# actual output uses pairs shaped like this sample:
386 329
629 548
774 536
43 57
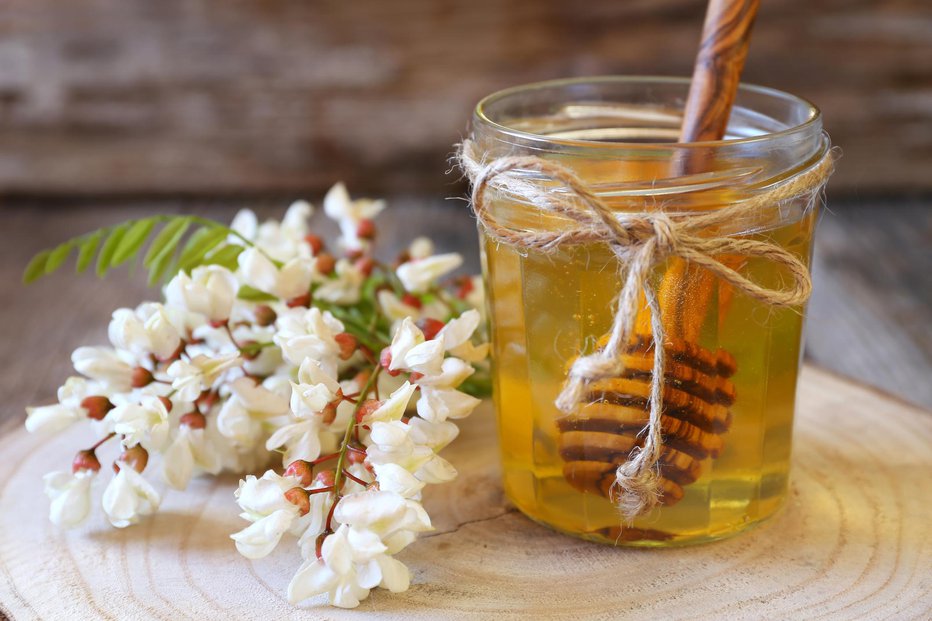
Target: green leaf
132 241
159 267
167 240
87 250
199 244
251 294
226 256
106 253
58 256
36 267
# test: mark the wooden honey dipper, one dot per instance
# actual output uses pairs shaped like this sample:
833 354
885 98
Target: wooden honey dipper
697 391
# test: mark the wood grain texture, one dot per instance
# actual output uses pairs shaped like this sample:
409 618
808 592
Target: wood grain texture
130 97
853 542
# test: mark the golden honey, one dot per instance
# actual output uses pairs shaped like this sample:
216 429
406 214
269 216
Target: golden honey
547 308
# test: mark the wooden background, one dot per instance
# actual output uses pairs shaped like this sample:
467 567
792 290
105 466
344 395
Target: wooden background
208 97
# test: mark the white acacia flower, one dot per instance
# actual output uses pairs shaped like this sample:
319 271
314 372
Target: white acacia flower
457 335
280 240
309 333
313 524
144 422
129 497
401 444
395 519
394 407
191 378
419 275
349 213
304 432
190 449
48 419
105 365
394 308
440 399
70 495
243 415
315 389
289 281
410 352
272 515
210 290
357 557
394 478
149 329
343 286
420 248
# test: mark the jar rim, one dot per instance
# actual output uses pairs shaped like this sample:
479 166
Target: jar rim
813 115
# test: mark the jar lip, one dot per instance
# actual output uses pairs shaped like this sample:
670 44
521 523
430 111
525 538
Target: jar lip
813 116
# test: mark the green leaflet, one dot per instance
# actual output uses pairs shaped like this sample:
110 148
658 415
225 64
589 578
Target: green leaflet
251 294
36 267
115 245
132 241
110 246
87 250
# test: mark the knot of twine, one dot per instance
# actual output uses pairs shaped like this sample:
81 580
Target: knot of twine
640 241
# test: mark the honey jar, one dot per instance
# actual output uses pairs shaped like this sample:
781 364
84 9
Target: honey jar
730 358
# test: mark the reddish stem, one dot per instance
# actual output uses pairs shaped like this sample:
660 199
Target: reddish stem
101 441
349 475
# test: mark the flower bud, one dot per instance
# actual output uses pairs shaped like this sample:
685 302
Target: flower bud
85 460
97 406
206 400
430 327
299 498
219 323
347 343
329 413
325 263
319 545
141 377
175 355
193 420
354 254
301 470
356 457
365 265
367 407
361 378
402 258
137 458
466 287
385 359
315 242
250 350
301 300
412 300
265 316
365 229
167 403
326 477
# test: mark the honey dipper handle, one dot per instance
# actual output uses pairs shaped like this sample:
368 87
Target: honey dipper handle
717 72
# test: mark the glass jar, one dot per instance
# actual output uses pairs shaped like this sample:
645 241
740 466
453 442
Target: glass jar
732 360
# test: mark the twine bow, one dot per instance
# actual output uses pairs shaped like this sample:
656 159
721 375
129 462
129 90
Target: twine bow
640 241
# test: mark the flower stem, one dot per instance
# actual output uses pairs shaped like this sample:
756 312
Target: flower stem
344 447
102 440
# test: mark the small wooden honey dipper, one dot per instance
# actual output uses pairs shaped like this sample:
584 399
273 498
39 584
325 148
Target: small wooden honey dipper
697 391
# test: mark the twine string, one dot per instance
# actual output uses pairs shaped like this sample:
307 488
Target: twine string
640 241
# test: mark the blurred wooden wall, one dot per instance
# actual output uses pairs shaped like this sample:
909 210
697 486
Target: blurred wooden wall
213 97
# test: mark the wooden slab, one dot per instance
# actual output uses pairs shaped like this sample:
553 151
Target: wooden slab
852 542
